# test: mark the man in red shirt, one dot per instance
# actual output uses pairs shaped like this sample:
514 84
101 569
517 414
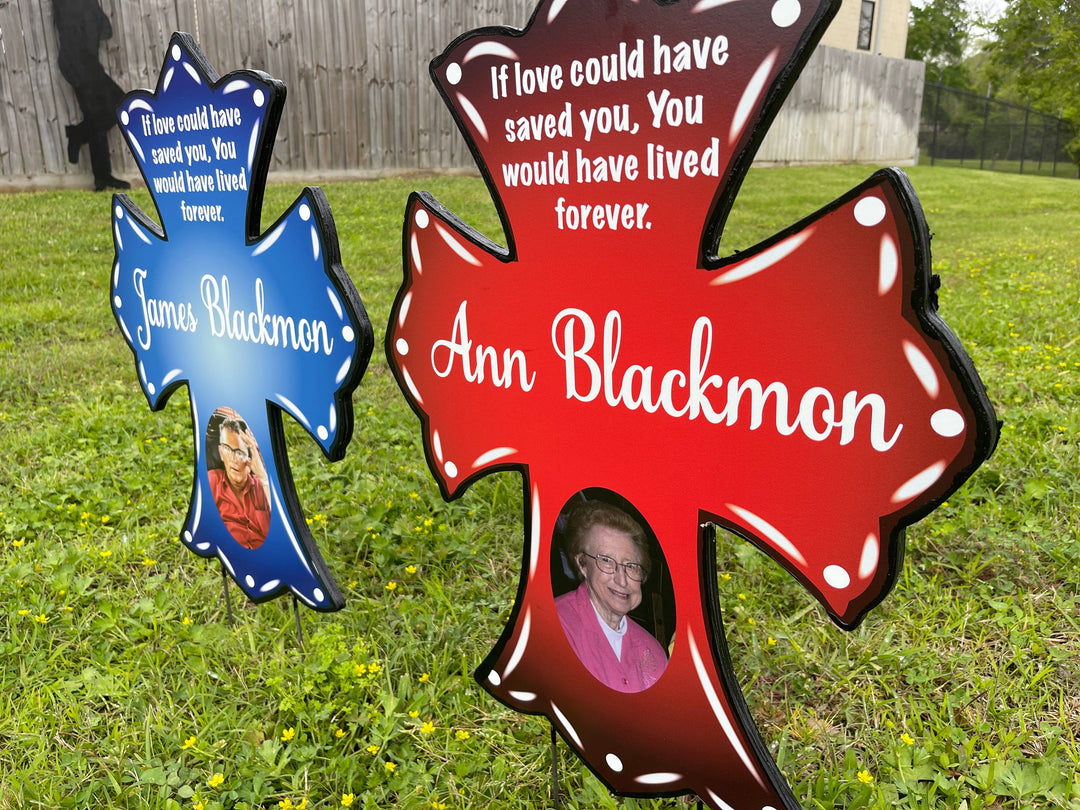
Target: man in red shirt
240 488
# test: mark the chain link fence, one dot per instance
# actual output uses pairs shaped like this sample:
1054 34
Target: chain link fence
960 128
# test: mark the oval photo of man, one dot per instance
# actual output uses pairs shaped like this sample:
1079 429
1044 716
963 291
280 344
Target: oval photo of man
238 480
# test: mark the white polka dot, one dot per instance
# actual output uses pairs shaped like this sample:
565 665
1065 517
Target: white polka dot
614 763
117 302
659 778
119 212
422 219
947 423
402 346
250 580
258 98
836 576
187 537
176 53
785 13
453 73
493 678
871 552
347 333
869 211
567 726
919 484
451 469
125 118
323 433
317 595
305 212
150 387
922 367
890 265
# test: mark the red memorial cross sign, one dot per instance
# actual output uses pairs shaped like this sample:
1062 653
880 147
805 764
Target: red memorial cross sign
803 394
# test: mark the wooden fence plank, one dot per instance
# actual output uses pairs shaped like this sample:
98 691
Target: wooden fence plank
23 111
359 94
11 44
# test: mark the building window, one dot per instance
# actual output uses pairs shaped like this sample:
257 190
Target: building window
866 24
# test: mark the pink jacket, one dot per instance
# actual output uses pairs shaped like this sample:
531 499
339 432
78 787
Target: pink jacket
643 659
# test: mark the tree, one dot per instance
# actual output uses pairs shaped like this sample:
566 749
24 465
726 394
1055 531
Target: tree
938 35
1037 51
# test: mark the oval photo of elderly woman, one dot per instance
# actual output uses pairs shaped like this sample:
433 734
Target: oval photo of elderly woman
612 590
238 481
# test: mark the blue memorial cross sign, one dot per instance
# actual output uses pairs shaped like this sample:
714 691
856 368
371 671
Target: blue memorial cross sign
254 323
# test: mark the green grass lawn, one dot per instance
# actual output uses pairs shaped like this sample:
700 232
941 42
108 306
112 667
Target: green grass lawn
123 686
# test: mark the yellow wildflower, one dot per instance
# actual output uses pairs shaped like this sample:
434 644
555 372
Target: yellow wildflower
390 766
391 585
288 734
339 733
215 780
409 569
188 743
373 749
462 735
865 777
425 677
347 799
907 739
18 543
427 727
414 714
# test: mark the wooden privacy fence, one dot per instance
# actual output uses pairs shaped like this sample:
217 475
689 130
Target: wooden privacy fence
849 107
359 96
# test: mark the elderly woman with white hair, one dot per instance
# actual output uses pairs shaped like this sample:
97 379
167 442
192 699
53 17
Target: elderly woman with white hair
610 553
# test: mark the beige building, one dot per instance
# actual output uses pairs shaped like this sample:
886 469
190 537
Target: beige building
872 26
